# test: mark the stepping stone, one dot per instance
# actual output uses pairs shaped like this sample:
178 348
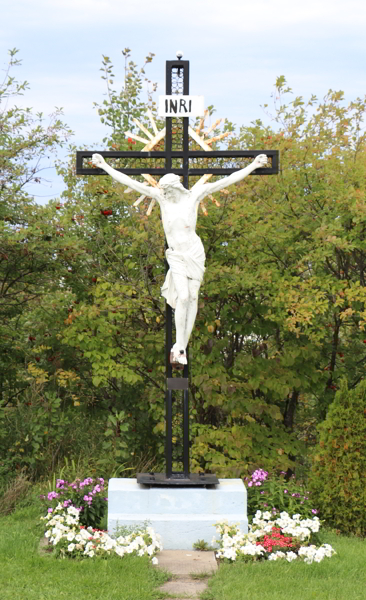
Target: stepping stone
184 586
183 562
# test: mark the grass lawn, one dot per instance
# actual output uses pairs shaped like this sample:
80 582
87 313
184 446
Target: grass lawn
27 575
342 577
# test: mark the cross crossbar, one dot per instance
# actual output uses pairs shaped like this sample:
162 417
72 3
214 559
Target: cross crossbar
84 155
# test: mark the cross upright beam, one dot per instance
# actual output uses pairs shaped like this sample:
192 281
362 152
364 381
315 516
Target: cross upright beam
177 158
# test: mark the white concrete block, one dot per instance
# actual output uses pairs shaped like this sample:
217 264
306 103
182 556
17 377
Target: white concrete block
181 515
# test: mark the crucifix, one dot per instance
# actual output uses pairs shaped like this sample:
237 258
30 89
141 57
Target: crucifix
179 207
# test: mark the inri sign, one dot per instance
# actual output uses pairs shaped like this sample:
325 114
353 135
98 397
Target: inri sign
181 106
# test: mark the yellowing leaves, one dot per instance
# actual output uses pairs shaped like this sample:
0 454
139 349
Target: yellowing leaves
37 373
65 378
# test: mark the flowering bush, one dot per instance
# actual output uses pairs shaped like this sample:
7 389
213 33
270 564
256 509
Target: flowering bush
88 496
272 538
71 539
267 491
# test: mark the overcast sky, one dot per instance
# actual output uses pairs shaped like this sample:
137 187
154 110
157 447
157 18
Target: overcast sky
236 49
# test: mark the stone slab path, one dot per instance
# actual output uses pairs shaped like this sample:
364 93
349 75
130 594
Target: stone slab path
190 570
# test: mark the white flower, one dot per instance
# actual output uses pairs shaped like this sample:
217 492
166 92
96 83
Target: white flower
70 536
267 516
70 547
154 561
73 511
230 553
91 553
290 556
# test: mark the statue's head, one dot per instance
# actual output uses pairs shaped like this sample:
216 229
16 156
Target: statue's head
170 181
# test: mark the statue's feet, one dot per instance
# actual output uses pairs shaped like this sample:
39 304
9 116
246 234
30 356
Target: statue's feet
178 355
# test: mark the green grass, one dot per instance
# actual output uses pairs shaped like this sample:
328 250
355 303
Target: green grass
27 575
342 577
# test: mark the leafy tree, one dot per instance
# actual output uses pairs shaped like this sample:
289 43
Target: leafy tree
27 268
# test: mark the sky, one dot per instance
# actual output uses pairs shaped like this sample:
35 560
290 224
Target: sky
236 49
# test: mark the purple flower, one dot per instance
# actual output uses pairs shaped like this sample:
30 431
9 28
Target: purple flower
67 503
314 511
97 489
285 491
258 483
50 510
265 504
259 475
101 480
60 483
262 492
52 495
106 499
250 483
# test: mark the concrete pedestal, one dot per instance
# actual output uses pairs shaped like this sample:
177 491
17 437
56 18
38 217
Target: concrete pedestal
180 515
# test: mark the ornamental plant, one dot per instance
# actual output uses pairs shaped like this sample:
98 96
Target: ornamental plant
70 539
272 538
338 474
272 491
87 496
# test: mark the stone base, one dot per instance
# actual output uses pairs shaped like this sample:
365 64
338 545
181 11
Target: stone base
182 516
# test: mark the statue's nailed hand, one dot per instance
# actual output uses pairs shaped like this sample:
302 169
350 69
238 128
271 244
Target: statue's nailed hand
98 160
260 161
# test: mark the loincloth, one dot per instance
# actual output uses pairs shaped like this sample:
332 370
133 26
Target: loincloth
190 264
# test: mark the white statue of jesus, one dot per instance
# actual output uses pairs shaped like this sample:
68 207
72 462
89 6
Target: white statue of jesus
185 254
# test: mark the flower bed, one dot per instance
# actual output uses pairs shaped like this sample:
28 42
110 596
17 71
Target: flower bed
87 496
71 539
268 490
272 538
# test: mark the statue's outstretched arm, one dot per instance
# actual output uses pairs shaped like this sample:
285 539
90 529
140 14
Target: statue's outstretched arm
211 188
141 188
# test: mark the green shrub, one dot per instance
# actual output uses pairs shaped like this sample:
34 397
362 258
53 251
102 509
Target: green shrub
338 474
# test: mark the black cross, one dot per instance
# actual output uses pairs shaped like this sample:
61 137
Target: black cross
180 160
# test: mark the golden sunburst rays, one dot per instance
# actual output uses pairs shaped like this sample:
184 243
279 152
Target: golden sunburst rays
152 142
199 135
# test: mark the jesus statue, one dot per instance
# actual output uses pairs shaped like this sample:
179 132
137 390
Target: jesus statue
185 253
